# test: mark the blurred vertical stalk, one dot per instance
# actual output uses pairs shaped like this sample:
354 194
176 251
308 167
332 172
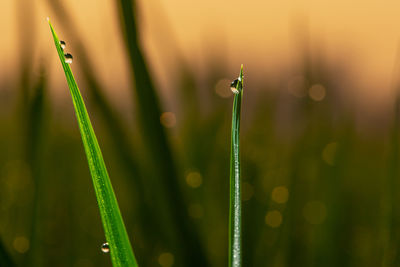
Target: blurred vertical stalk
5 258
29 112
390 235
35 132
390 254
235 201
156 141
26 16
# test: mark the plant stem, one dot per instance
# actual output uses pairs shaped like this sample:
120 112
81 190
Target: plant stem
235 205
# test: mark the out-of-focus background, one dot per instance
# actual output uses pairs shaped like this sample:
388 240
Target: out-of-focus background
319 144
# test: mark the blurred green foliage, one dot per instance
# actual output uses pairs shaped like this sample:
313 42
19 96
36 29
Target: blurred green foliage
319 189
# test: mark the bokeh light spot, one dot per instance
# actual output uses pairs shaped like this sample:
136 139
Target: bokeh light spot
83 263
280 194
194 179
168 119
297 86
329 153
166 259
247 191
317 92
222 88
196 211
273 218
315 212
21 244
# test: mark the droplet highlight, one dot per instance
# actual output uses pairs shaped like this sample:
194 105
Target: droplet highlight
68 58
105 247
234 86
62 44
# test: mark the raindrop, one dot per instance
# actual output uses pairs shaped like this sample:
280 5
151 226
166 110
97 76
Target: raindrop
62 44
105 247
234 85
68 58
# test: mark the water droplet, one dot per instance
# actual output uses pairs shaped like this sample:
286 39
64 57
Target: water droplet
105 247
234 85
62 44
68 58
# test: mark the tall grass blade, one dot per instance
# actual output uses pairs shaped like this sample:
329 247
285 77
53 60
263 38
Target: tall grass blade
235 201
114 228
123 144
114 125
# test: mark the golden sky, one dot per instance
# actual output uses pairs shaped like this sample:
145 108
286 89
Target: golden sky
260 34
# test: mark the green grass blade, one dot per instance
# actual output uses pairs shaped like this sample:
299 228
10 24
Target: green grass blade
115 232
235 205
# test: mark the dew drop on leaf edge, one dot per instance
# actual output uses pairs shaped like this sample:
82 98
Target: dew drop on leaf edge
68 58
105 247
62 44
233 87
